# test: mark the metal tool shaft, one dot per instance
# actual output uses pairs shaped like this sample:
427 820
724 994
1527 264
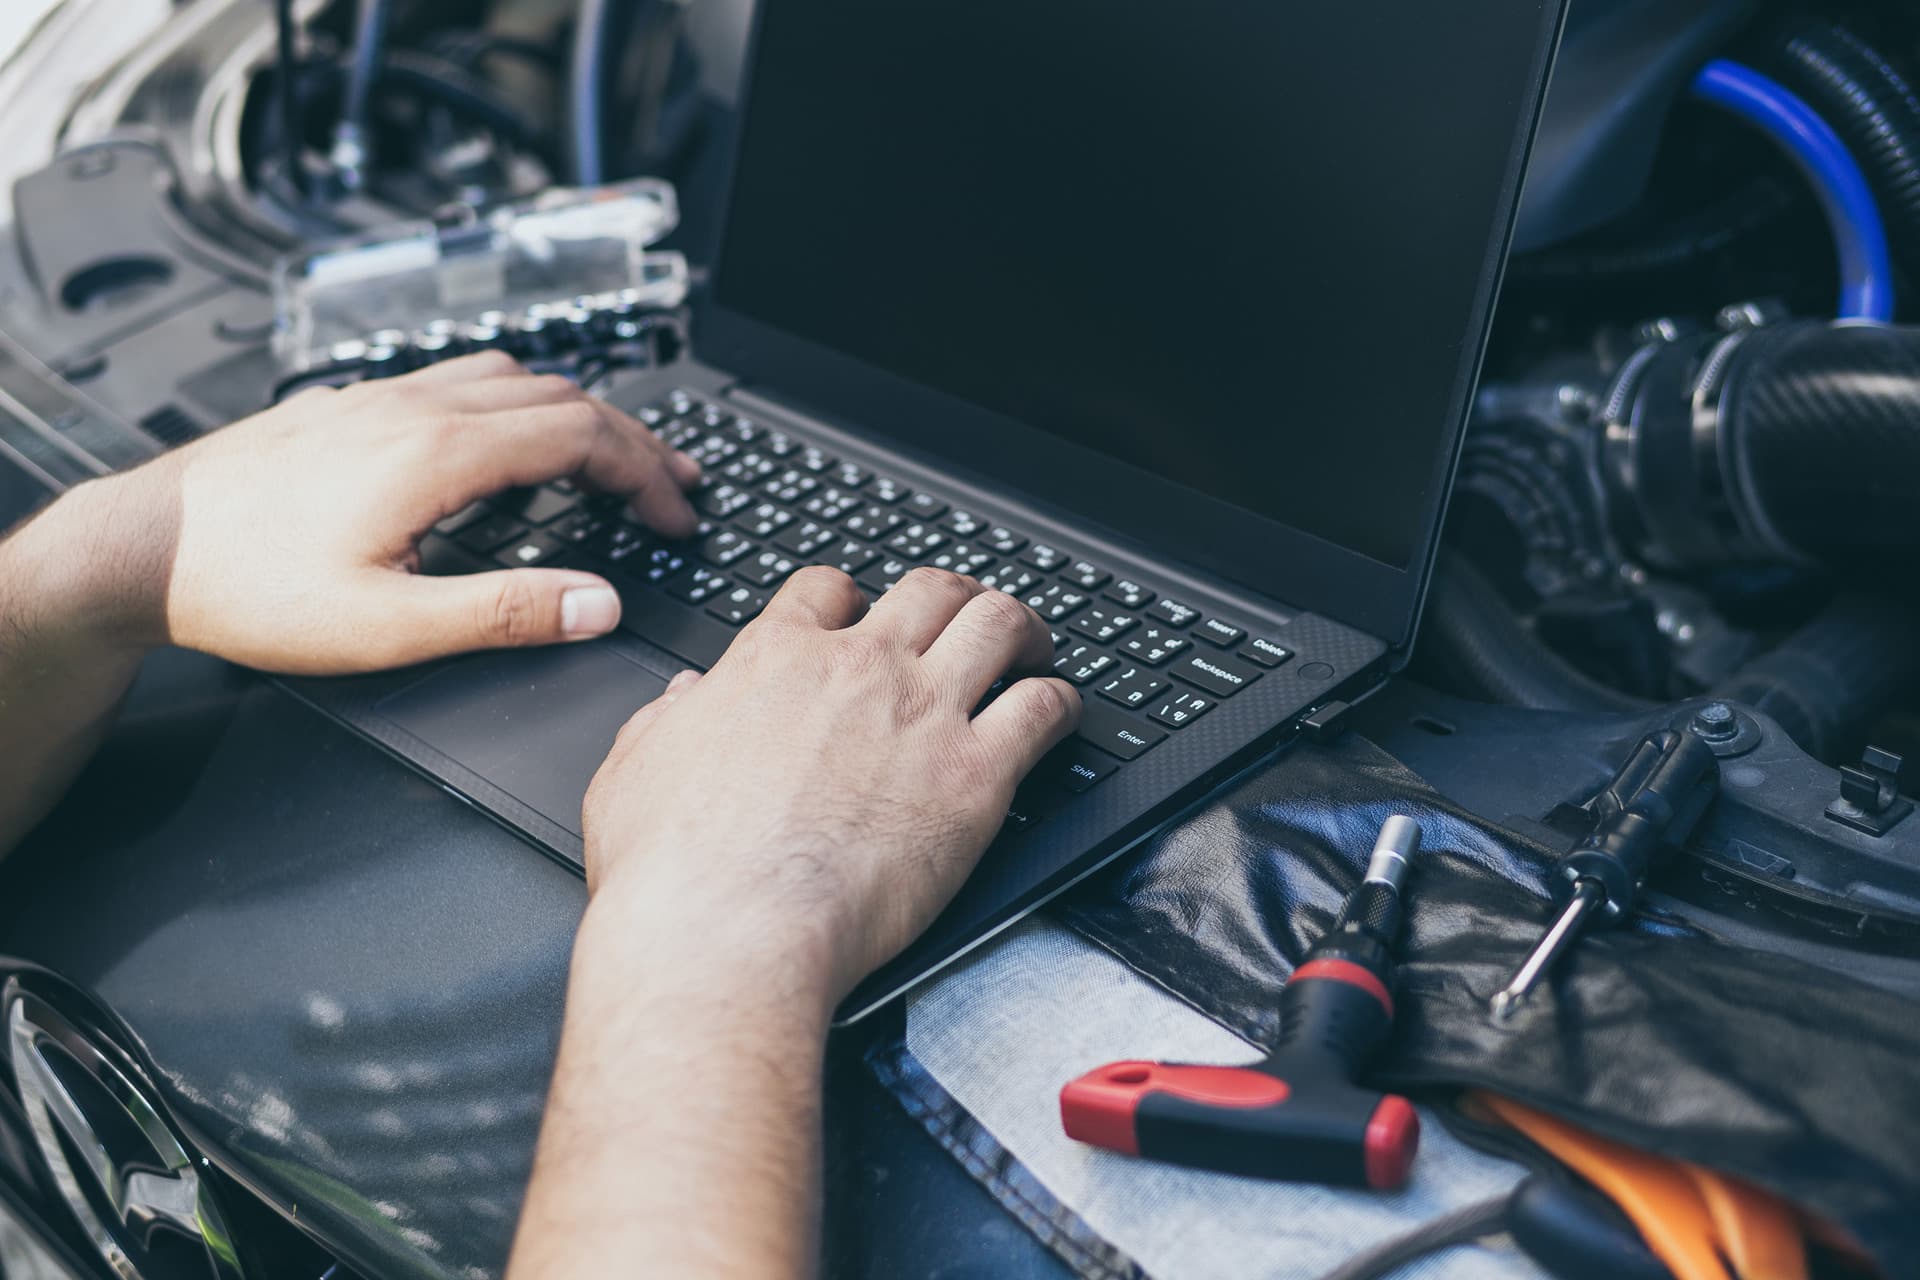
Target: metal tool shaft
1587 895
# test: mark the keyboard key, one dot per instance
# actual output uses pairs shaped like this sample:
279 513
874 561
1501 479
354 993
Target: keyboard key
1265 652
1081 664
653 414
470 514
1215 673
806 537
1130 594
873 522
1011 579
1224 634
696 584
1155 645
1056 603
537 506
722 500
749 469
657 565
743 431
851 475
617 540
739 605
964 558
1043 557
710 451
1114 731
887 490
880 578
923 506
578 527
1182 709
779 444
790 486
763 521
765 569
1059 637
534 549
1174 613
916 541
815 459
1073 768
1086 576
963 524
681 434
1104 624
443 558
682 402
850 556
1003 540
1133 687
831 503
486 536
726 546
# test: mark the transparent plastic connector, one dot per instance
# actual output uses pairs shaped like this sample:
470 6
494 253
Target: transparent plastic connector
423 279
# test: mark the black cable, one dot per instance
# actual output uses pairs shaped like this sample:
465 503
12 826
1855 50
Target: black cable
453 86
284 96
1462 1226
588 88
351 139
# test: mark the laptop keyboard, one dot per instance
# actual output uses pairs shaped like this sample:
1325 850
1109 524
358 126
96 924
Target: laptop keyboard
1147 665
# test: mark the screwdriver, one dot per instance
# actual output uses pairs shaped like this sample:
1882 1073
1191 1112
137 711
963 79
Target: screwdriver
1646 812
1299 1115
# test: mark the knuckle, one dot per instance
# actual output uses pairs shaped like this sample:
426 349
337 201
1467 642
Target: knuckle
1002 612
492 362
944 581
825 580
512 614
1049 702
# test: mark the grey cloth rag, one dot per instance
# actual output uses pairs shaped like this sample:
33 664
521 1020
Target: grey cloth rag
1039 1006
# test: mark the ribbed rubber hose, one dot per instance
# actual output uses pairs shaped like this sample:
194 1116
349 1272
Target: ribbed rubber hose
1873 108
1472 643
1829 681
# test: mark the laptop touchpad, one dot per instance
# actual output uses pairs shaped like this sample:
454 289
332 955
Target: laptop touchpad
535 723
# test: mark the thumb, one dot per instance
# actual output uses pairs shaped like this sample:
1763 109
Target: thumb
504 609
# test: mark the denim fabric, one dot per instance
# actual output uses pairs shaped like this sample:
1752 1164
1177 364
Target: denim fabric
1004 1030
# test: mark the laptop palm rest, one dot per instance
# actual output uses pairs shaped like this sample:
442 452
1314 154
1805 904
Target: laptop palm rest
535 724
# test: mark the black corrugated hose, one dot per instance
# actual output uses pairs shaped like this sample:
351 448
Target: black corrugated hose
1474 644
1874 109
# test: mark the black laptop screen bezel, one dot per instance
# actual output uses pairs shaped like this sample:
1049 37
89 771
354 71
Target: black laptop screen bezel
1296 568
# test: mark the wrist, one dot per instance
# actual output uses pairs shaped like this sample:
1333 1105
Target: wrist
92 568
747 954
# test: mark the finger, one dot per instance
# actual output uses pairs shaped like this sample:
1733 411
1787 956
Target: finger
1026 721
818 595
519 391
481 365
489 452
990 636
637 723
921 605
425 618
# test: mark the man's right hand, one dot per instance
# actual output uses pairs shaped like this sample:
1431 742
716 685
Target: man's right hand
828 782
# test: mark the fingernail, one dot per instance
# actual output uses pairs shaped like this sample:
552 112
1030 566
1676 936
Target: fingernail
588 611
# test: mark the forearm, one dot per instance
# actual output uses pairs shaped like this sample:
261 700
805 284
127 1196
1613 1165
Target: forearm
682 1131
70 643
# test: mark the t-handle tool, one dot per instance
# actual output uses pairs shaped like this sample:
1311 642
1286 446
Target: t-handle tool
1298 1115
1647 811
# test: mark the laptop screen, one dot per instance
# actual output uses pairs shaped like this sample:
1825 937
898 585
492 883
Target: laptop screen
1236 246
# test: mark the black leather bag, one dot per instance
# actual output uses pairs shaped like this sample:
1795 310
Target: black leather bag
1765 1057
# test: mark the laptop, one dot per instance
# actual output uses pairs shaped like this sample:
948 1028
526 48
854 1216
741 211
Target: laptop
1165 319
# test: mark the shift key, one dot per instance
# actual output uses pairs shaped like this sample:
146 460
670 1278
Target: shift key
1114 731
1214 672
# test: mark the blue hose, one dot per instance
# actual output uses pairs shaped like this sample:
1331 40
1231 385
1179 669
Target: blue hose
1859 236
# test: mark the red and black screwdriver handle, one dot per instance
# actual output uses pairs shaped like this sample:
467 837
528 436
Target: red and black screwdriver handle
1299 1115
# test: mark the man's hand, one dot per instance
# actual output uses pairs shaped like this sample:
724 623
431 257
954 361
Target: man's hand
761 837
286 542
829 775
